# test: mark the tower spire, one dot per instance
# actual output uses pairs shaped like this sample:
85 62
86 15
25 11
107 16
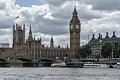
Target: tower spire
75 11
30 38
75 16
51 42
30 32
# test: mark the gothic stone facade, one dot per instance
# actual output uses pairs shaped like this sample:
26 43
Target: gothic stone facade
35 48
96 44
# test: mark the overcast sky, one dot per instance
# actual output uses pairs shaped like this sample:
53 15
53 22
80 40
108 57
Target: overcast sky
51 18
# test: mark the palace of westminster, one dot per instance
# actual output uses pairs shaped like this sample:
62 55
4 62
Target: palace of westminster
34 48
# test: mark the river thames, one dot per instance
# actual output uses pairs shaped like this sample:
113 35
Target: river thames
48 73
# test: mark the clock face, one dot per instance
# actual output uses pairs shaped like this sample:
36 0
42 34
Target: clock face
77 26
71 26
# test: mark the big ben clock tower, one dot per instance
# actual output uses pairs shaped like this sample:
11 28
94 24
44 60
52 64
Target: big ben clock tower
75 27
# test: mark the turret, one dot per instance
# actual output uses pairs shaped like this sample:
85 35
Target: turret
13 27
107 36
51 43
30 38
13 35
67 46
40 40
24 33
100 36
93 37
18 37
24 27
113 34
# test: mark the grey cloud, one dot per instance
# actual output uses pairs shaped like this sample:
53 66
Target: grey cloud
6 23
26 14
53 27
62 16
54 2
96 4
47 26
103 4
2 6
83 12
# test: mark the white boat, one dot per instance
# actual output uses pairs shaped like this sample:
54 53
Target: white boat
95 65
116 65
58 63
62 64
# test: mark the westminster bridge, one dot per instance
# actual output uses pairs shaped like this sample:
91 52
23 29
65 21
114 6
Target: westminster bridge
28 61
23 61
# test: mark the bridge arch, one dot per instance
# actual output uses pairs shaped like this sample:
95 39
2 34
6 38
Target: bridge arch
3 62
2 59
24 59
45 62
26 62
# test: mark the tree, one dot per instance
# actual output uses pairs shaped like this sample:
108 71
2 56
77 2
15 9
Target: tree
83 51
118 51
106 50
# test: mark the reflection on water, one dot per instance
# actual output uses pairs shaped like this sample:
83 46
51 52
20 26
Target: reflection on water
59 73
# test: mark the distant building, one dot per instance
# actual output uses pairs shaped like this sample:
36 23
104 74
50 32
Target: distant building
4 45
34 47
96 44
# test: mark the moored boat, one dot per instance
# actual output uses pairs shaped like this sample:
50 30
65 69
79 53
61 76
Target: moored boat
116 65
95 65
58 63
62 64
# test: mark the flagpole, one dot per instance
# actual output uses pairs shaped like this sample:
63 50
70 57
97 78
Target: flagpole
17 19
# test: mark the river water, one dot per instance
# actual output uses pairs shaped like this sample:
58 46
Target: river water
48 73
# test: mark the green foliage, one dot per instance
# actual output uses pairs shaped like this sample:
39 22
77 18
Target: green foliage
117 51
106 50
83 51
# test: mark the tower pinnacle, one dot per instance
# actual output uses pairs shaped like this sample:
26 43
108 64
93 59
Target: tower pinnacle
30 38
75 16
51 42
75 11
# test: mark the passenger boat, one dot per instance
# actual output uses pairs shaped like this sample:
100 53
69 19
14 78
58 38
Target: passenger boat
62 64
95 65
